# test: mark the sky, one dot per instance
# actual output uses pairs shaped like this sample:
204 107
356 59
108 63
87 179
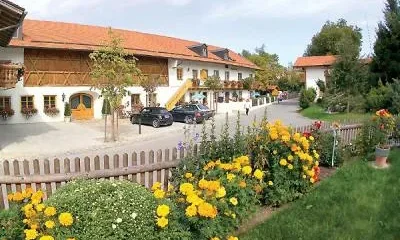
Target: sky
284 26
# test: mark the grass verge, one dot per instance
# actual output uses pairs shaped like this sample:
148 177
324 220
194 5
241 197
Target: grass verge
358 202
318 113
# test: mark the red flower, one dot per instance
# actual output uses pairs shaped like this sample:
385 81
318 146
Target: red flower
317 172
306 134
317 124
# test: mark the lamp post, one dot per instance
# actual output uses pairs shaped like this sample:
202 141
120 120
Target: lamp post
63 97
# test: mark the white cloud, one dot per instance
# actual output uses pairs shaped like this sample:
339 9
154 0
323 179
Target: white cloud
43 9
286 8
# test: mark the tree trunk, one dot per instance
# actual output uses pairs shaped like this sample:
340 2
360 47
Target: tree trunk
117 133
105 128
113 124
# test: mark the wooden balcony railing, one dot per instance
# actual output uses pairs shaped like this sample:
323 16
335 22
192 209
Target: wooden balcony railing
8 75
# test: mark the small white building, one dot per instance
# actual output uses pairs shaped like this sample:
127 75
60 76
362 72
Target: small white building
315 68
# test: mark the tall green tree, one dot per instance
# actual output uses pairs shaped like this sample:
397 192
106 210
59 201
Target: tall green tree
270 70
349 74
386 60
326 42
112 72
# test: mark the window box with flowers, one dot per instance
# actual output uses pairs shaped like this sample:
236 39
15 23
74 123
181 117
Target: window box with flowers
227 83
29 112
51 111
6 113
233 84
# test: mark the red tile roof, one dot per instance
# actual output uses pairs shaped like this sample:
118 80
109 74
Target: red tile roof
59 35
315 61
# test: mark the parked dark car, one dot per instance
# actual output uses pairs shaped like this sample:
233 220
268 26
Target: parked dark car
191 112
154 116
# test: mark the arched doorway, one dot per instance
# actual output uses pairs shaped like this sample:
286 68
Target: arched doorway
81 106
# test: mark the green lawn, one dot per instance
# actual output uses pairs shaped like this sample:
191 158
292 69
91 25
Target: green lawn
358 202
318 113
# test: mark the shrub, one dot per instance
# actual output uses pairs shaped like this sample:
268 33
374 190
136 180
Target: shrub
378 98
11 226
107 209
289 159
307 96
67 110
5 113
394 97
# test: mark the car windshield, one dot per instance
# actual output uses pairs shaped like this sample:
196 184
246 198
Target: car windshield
202 107
161 110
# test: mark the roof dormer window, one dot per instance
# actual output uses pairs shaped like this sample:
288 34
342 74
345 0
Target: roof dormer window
200 49
222 53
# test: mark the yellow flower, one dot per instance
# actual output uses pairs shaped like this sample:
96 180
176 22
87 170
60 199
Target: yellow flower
27 192
230 176
46 237
30 234
233 200
316 155
203 184
312 180
162 222
273 135
162 210
37 197
304 176
191 211
221 192
316 163
290 166
49 224
207 210
188 175
156 185
40 207
290 157
17 197
159 193
34 226
311 138
283 162
71 239
270 183
275 152
194 199
186 188
294 147
170 187
242 184
26 221
66 219
232 238
285 138
213 185
258 174
50 211
247 170
233 215
10 197
215 238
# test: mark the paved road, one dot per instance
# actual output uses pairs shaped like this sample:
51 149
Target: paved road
86 139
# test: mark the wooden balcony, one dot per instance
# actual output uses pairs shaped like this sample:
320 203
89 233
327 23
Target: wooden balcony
8 75
225 85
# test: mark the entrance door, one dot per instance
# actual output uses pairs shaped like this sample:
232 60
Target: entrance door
81 106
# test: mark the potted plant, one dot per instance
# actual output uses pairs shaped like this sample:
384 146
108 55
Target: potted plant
383 124
240 84
51 111
28 112
233 84
67 113
6 113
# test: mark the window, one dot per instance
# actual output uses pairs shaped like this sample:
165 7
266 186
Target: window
204 51
179 73
49 101
227 75
240 96
135 99
26 102
240 76
195 74
204 74
216 73
5 102
250 75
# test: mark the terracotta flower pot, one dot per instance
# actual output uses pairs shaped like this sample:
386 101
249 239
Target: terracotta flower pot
381 155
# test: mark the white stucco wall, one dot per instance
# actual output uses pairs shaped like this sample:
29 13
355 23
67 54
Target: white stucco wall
313 74
16 55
